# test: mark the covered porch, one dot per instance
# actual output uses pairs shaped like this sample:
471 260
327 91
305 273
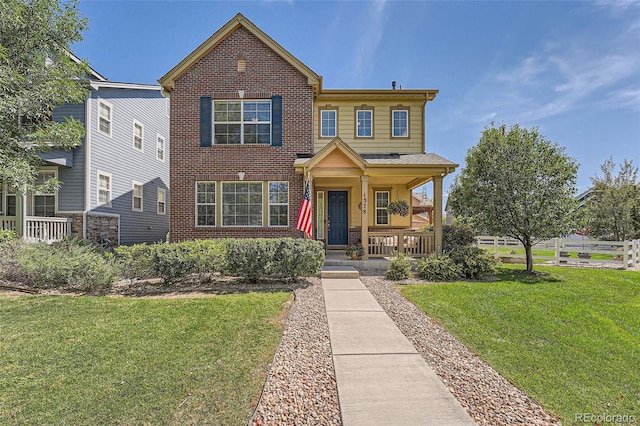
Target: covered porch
351 193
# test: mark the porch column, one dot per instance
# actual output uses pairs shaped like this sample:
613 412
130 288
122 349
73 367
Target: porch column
437 212
364 232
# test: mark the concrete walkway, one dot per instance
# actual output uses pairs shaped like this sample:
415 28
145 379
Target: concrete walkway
381 377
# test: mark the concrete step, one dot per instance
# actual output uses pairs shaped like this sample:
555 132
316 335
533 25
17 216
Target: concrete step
339 272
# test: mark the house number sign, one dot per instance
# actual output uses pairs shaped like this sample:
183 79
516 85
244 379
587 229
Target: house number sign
364 203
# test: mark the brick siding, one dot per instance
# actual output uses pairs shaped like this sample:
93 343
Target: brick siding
216 75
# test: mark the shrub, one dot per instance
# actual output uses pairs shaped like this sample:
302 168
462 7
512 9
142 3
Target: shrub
296 257
7 236
438 267
209 256
71 263
136 261
399 267
474 262
173 262
457 235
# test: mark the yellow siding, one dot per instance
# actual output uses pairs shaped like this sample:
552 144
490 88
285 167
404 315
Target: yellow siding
382 142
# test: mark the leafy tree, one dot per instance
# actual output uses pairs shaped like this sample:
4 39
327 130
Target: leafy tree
37 73
518 184
614 207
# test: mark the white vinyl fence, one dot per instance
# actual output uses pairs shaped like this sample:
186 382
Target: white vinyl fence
625 254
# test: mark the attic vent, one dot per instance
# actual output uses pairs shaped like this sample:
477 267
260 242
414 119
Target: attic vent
242 65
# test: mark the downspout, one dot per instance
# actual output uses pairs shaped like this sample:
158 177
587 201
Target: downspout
87 165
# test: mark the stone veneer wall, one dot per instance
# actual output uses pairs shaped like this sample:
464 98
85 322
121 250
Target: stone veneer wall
107 225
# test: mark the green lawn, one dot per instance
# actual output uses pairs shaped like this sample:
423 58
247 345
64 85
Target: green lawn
100 360
569 339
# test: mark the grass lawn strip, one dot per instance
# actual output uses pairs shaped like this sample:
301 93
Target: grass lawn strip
98 360
570 339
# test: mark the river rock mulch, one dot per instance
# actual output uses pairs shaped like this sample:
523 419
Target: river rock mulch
301 387
487 396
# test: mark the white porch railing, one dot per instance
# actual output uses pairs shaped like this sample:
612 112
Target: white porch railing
7 223
414 244
46 229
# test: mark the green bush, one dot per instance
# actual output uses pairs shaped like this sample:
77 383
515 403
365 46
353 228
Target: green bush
296 257
7 236
71 263
438 267
399 267
136 261
474 262
173 262
209 256
457 235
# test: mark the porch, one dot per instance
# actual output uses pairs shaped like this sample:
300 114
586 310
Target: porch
38 229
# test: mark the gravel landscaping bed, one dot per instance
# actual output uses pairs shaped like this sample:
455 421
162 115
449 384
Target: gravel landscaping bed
487 396
301 387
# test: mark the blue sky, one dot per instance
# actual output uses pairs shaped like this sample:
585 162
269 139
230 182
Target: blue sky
571 68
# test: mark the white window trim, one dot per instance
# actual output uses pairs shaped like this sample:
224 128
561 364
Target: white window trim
375 200
53 170
217 192
133 196
222 205
164 147
110 176
393 122
269 204
100 101
164 197
136 122
242 122
356 123
335 123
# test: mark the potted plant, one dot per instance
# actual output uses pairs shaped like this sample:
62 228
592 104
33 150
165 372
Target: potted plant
398 207
356 251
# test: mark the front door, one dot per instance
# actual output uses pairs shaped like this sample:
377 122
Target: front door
337 218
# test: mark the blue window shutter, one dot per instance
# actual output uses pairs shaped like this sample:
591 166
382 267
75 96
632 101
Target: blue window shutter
205 121
276 120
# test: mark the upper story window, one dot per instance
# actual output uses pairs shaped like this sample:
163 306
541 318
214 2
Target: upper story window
400 123
138 131
160 148
328 123
104 189
162 201
382 202
137 192
104 113
242 122
364 123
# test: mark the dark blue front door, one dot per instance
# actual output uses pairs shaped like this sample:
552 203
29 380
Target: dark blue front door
337 218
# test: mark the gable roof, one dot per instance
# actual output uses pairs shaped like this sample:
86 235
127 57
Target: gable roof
238 21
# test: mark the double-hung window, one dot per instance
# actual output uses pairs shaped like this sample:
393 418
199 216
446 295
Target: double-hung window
364 123
162 201
242 122
382 202
400 118
138 130
44 202
241 203
137 192
160 147
328 123
205 203
104 117
278 203
104 189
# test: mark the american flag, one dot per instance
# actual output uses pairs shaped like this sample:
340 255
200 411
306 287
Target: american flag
305 219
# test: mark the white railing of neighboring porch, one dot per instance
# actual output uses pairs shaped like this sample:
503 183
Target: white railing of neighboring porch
47 229
412 243
7 223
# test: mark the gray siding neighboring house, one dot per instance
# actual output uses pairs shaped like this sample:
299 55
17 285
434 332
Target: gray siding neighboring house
116 184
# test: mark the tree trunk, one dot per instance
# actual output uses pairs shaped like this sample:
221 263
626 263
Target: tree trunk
527 250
